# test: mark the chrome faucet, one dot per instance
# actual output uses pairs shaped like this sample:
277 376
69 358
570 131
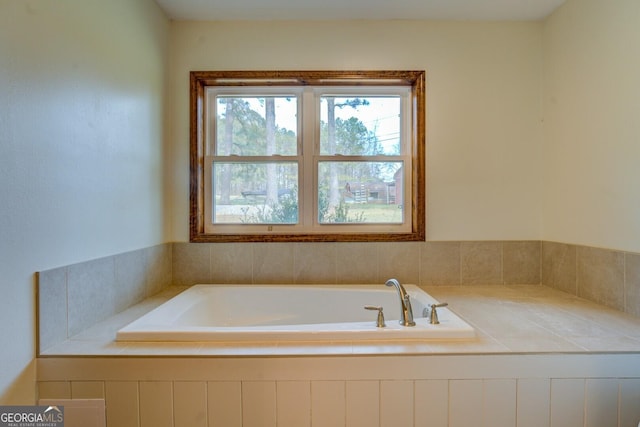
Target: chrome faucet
406 313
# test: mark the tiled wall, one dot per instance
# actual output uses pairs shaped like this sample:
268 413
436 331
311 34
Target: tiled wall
441 391
74 297
605 276
422 263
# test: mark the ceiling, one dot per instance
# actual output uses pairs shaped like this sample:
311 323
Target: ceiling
484 10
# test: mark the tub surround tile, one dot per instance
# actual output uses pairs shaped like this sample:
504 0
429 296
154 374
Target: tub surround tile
559 264
91 293
632 284
481 263
356 263
52 307
314 263
191 263
74 298
130 279
399 260
440 263
231 263
158 261
600 276
521 263
273 263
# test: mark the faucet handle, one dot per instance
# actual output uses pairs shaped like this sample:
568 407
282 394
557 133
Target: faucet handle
433 316
380 321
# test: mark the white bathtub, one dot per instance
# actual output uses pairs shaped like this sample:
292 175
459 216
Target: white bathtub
290 313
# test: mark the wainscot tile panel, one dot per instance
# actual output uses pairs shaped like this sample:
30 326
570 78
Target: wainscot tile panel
440 263
71 299
273 262
632 284
232 263
191 263
399 260
52 307
314 263
481 263
521 263
559 266
356 263
600 276
91 293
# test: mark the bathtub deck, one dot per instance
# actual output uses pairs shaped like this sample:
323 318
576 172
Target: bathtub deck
528 319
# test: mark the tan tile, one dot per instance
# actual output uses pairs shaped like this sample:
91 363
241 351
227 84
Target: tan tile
400 261
232 263
481 263
559 266
314 263
273 263
356 263
191 263
440 263
600 276
158 268
521 263
632 284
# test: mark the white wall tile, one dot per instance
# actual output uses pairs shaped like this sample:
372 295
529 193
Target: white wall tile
629 402
567 402
328 403
293 403
258 404
465 403
122 403
601 402
396 403
363 403
190 404
431 403
224 403
156 404
533 402
499 403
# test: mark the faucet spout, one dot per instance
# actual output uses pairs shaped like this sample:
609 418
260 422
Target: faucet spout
406 312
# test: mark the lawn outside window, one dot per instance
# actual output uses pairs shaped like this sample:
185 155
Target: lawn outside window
307 156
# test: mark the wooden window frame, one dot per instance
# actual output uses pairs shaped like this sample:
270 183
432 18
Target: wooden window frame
200 80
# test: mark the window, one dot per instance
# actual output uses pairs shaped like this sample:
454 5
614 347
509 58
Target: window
307 156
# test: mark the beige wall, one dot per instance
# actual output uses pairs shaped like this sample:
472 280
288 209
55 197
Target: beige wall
483 99
82 88
591 159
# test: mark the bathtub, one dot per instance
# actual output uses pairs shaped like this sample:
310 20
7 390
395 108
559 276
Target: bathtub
291 313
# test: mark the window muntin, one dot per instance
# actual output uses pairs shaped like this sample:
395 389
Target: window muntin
308 158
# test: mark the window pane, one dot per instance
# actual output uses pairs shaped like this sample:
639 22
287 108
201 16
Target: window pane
360 192
255 193
360 126
256 126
